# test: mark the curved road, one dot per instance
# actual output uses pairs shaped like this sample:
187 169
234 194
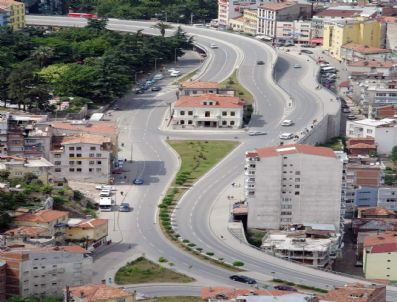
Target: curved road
139 121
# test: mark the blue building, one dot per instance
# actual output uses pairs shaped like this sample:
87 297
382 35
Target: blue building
366 197
4 14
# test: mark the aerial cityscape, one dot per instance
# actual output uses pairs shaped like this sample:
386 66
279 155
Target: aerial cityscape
198 150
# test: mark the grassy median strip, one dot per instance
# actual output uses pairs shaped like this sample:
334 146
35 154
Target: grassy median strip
143 270
242 92
197 158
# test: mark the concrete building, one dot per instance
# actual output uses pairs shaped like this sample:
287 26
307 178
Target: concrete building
208 111
86 157
269 14
91 233
297 31
198 87
18 167
4 17
361 31
375 212
380 256
16 12
282 183
28 234
361 146
250 21
366 197
98 293
387 198
389 32
376 69
45 271
383 131
230 9
352 52
356 292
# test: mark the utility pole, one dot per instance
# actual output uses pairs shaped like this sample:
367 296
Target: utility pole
191 18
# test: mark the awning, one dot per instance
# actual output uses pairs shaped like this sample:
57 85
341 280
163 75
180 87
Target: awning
317 40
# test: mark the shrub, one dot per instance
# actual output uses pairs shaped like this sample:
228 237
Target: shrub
209 253
238 263
191 245
162 260
185 241
199 249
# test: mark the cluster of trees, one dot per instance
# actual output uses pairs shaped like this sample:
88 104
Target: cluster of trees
91 63
182 11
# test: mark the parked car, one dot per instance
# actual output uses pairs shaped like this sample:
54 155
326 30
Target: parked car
296 66
158 77
286 288
213 46
254 133
287 123
116 108
139 91
286 136
289 44
346 110
171 70
308 45
105 187
175 74
138 181
156 88
307 51
124 207
260 63
243 279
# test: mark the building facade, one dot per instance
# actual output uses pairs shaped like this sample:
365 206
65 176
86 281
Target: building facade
18 167
230 9
352 52
282 183
387 198
91 233
16 11
294 31
4 17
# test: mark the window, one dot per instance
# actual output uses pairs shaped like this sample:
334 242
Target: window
224 123
232 113
91 162
182 112
182 122
231 123
190 112
297 179
90 169
78 148
99 162
92 155
297 186
71 162
71 169
71 148
92 148
57 155
58 170
297 173
79 162
98 169
207 114
98 155
189 122
224 113
71 155
296 192
78 154
57 163
78 170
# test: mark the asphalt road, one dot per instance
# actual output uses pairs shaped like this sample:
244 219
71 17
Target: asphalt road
137 232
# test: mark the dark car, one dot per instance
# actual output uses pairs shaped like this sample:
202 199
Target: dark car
260 63
138 181
156 88
243 279
124 207
286 288
307 51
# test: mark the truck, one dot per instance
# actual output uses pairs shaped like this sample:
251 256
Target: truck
106 204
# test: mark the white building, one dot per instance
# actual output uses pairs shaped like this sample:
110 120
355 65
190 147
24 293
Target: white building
230 9
85 157
293 184
372 68
387 198
208 110
296 31
383 131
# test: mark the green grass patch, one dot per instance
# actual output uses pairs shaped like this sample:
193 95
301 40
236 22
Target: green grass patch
254 237
242 92
188 76
143 270
335 143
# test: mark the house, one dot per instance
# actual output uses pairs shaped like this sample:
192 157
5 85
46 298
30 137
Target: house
380 256
90 232
361 146
97 293
53 220
365 225
16 13
84 157
344 87
283 183
225 294
387 197
356 292
366 196
374 68
208 111
383 131
229 9
198 87
18 167
28 234
355 51
269 14
361 31
46 271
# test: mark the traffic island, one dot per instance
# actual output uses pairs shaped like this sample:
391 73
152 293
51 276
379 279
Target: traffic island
197 158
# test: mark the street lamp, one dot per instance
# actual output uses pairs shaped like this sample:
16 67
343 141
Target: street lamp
155 63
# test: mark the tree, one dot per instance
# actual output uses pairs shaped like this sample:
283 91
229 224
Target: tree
97 24
4 174
161 26
42 54
393 155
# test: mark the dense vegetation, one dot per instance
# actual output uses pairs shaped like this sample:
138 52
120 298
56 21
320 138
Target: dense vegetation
182 11
91 63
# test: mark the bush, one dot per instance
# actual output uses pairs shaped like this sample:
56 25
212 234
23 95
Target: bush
162 260
209 253
77 195
238 263
199 249
191 245
185 241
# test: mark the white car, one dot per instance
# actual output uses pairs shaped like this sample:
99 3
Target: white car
105 187
255 133
171 70
158 76
175 73
105 193
287 123
286 136
297 66
213 46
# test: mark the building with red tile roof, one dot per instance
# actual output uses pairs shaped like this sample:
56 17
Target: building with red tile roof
352 52
93 232
228 293
278 177
360 146
375 212
208 111
356 293
26 233
52 220
99 292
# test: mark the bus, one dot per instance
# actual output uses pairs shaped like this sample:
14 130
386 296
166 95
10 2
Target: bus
83 15
106 204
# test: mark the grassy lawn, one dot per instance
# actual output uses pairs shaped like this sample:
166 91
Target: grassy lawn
174 299
188 76
232 82
143 270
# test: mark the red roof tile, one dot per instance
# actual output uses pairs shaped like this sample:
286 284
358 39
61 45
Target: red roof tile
26 231
92 223
380 239
85 138
97 292
295 149
373 64
42 216
344 84
338 13
384 248
221 101
230 293
101 127
356 293
199 85
277 6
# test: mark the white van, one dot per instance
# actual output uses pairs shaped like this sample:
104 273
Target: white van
105 193
106 204
286 136
287 123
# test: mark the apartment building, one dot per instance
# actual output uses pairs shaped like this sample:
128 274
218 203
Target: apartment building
375 69
208 111
97 293
92 233
383 131
16 12
361 31
356 292
4 17
297 31
44 271
282 183
380 256
269 14
85 157
352 52
387 198
230 9
18 167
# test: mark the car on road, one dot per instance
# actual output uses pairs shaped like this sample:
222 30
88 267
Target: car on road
289 44
296 66
105 187
243 279
255 133
105 193
260 62
308 45
287 123
124 207
307 51
175 73
286 288
156 88
346 110
286 136
138 181
139 91
171 70
158 76
213 46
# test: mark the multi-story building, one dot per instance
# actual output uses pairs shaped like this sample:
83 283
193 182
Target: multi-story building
387 198
352 52
297 31
250 21
361 31
356 292
4 17
208 110
16 11
18 167
269 14
91 233
366 197
389 31
86 157
229 9
47 7
97 293
376 69
282 183
45 271
383 131
380 256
